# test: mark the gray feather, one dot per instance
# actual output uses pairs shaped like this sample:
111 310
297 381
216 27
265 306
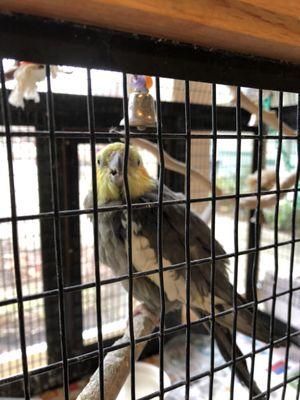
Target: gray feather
113 252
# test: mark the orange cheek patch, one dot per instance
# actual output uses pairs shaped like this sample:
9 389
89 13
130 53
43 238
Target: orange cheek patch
144 172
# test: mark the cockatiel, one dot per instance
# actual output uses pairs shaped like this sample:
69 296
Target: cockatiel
113 250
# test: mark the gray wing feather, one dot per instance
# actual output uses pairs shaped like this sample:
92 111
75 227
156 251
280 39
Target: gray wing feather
200 245
174 242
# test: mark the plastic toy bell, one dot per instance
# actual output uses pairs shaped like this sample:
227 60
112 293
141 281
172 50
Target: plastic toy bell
141 108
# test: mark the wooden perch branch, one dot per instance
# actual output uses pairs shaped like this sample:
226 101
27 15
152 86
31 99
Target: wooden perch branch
268 200
269 117
117 363
175 165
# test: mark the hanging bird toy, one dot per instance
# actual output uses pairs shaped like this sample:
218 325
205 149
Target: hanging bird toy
27 75
141 110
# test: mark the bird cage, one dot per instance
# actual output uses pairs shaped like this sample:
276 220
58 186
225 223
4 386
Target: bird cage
63 309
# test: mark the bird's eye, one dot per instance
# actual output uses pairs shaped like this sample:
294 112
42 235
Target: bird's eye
139 162
99 161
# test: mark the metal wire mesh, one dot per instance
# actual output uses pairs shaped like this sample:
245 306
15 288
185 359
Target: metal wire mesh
21 296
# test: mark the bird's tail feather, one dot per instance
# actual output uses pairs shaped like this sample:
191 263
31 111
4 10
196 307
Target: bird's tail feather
280 328
263 324
224 340
223 337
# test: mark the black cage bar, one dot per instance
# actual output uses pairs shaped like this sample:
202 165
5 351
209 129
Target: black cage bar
59 213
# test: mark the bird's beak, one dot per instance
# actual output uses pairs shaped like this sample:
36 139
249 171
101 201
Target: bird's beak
116 168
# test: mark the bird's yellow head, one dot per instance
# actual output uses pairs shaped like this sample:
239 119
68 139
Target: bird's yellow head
110 184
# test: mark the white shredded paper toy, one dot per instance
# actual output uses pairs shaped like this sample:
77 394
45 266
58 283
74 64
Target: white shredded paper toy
27 75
